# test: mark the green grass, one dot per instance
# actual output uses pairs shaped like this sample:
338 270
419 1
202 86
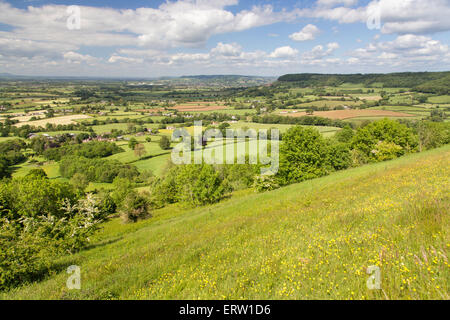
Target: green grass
50 168
439 99
312 240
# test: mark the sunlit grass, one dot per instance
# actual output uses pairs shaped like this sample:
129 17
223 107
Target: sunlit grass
312 240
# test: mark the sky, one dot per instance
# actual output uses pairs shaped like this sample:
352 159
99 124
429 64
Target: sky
154 38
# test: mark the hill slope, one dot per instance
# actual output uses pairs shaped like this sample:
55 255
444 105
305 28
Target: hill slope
393 80
309 240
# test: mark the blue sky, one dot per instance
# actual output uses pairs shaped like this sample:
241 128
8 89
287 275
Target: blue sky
158 38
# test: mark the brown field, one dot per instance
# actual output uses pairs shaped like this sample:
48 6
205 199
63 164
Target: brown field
371 98
193 108
57 120
199 106
348 114
155 110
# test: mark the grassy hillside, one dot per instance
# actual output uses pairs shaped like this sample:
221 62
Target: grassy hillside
306 241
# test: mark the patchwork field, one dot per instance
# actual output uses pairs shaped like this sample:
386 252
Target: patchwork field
199 106
348 114
57 120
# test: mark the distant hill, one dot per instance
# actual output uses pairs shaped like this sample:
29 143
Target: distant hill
433 82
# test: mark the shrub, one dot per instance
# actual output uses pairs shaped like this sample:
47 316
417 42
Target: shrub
134 207
386 151
40 173
265 183
339 156
191 184
200 185
30 244
303 155
164 143
433 134
389 131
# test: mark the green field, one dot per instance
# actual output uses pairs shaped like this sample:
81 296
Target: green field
312 240
439 99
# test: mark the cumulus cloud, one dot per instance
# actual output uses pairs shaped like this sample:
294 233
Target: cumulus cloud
227 49
398 17
284 52
309 32
406 50
321 55
184 23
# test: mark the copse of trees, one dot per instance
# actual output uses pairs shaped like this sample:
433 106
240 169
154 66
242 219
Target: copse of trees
93 149
96 170
198 185
305 120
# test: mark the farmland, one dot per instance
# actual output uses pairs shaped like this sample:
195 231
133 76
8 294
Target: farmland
348 114
359 177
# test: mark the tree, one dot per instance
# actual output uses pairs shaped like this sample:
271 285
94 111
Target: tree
345 135
303 155
80 182
164 143
39 173
132 143
389 131
135 207
139 150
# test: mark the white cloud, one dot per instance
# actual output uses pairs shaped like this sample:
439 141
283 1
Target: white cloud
309 32
184 23
227 49
284 52
121 59
319 53
75 57
332 3
409 51
397 17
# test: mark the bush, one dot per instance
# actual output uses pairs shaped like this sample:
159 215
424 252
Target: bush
433 134
339 156
40 173
386 151
265 183
200 185
164 143
367 139
191 184
303 155
30 244
134 207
